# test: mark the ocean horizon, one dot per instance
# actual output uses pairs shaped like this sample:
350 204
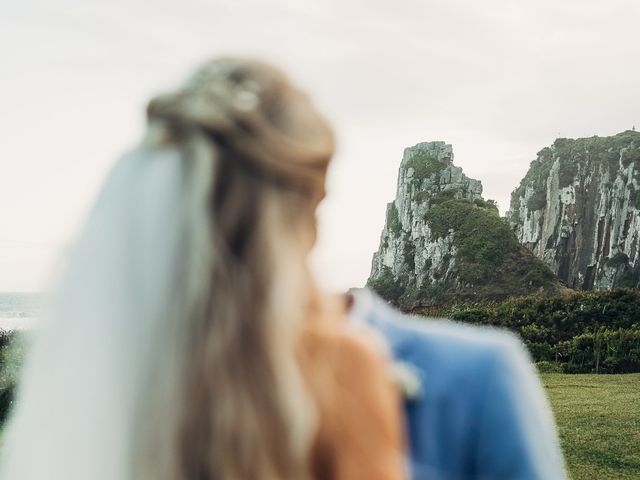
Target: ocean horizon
20 310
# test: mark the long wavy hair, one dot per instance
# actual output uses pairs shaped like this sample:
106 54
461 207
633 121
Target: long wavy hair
170 349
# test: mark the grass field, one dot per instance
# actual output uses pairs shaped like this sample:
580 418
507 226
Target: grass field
599 421
598 418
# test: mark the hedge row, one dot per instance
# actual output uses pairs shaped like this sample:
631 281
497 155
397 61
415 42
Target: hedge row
586 332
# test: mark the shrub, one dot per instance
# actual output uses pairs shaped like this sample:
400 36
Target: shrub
492 205
446 215
387 286
604 351
537 201
586 332
422 196
424 165
393 219
631 154
629 279
409 256
11 358
488 204
617 260
634 197
432 293
567 173
545 366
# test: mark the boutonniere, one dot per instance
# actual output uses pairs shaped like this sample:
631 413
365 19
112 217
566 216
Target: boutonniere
407 380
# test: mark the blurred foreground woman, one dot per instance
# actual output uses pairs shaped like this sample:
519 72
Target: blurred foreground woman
188 340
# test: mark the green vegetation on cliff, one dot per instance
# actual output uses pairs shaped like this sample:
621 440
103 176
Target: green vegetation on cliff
393 219
574 156
580 190
387 286
489 261
489 255
424 165
480 235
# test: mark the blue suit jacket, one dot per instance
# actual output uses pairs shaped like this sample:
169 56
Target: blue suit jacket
481 412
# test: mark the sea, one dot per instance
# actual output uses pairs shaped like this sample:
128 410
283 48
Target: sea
19 310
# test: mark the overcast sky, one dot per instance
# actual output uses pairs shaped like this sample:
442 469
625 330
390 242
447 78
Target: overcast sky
497 79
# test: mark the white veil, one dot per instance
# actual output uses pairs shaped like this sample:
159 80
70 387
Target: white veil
111 342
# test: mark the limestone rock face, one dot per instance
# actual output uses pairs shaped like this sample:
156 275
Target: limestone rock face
578 209
406 248
442 239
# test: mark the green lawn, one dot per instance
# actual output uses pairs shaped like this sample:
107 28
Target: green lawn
599 421
598 418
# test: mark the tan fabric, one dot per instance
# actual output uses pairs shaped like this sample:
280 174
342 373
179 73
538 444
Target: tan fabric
359 434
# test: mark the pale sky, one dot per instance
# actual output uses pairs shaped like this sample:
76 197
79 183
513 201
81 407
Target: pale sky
497 79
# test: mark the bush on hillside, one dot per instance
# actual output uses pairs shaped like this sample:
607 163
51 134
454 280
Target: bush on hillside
587 332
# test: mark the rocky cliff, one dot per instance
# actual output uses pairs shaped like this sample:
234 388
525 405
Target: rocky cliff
578 209
442 240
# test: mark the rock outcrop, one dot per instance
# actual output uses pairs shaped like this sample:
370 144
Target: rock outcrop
443 241
578 209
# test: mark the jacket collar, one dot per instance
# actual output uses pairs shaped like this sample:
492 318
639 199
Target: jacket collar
368 308
371 310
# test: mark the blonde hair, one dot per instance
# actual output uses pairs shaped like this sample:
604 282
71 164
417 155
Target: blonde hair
169 352
245 412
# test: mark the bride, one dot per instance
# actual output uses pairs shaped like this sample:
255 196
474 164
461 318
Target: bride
188 339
